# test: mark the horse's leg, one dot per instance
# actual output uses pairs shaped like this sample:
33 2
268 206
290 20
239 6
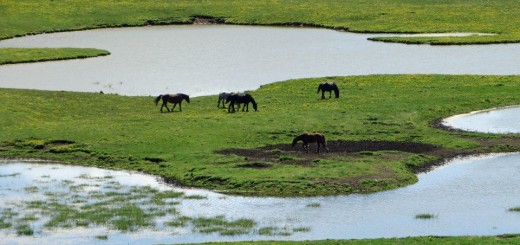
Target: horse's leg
174 105
180 106
306 147
322 94
318 150
330 94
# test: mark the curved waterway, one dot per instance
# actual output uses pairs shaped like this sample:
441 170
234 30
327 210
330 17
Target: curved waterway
499 121
467 196
205 60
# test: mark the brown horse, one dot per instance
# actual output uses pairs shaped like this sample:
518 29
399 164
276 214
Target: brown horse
311 138
172 98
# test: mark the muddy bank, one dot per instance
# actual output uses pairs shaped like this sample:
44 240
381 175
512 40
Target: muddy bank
262 156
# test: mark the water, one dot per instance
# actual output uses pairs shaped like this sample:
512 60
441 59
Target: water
467 196
204 60
499 121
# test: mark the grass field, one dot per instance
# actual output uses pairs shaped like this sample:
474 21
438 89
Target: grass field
21 18
248 153
379 133
506 239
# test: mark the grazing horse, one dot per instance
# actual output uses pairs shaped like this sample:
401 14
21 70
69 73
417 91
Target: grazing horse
241 99
328 87
311 138
172 98
223 97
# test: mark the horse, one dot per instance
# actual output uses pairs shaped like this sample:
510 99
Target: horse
223 97
172 98
241 99
311 138
328 87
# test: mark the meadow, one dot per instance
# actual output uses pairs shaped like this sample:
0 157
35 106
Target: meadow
380 133
377 16
248 153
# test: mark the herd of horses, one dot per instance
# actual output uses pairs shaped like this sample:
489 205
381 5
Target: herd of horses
237 99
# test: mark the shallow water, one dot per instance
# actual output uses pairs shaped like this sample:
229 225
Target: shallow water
467 196
498 121
205 60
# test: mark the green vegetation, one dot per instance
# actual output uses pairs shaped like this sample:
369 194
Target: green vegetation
26 55
425 216
124 209
377 16
387 117
515 209
468 240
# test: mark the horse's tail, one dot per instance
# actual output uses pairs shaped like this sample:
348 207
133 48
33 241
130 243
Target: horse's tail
156 100
336 90
324 143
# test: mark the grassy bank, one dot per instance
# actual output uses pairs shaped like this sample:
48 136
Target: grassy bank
379 133
27 55
381 16
506 239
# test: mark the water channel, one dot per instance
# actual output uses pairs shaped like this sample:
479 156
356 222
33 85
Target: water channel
469 196
205 60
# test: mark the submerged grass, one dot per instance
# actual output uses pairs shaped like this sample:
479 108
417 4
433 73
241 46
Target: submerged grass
127 209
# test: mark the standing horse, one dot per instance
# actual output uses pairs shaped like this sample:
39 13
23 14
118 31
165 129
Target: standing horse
328 87
223 97
311 138
241 99
172 98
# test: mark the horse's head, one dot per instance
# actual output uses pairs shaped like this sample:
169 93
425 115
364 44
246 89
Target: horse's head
295 140
187 98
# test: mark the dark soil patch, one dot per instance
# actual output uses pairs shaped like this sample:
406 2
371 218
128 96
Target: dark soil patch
262 157
279 153
204 20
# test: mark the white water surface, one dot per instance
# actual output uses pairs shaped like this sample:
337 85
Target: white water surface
467 196
208 59
498 120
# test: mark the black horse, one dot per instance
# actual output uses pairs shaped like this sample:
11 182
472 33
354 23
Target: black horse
222 97
311 138
328 87
241 99
172 98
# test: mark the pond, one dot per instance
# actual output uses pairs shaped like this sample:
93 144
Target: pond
498 121
467 196
208 59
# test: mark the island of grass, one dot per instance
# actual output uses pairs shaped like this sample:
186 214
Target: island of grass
380 132
29 55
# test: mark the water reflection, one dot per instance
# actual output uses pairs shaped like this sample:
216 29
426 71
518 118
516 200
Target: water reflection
468 196
499 121
204 60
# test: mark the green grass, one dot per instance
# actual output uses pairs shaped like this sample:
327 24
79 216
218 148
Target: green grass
468 240
515 209
27 55
122 132
425 216
401 16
